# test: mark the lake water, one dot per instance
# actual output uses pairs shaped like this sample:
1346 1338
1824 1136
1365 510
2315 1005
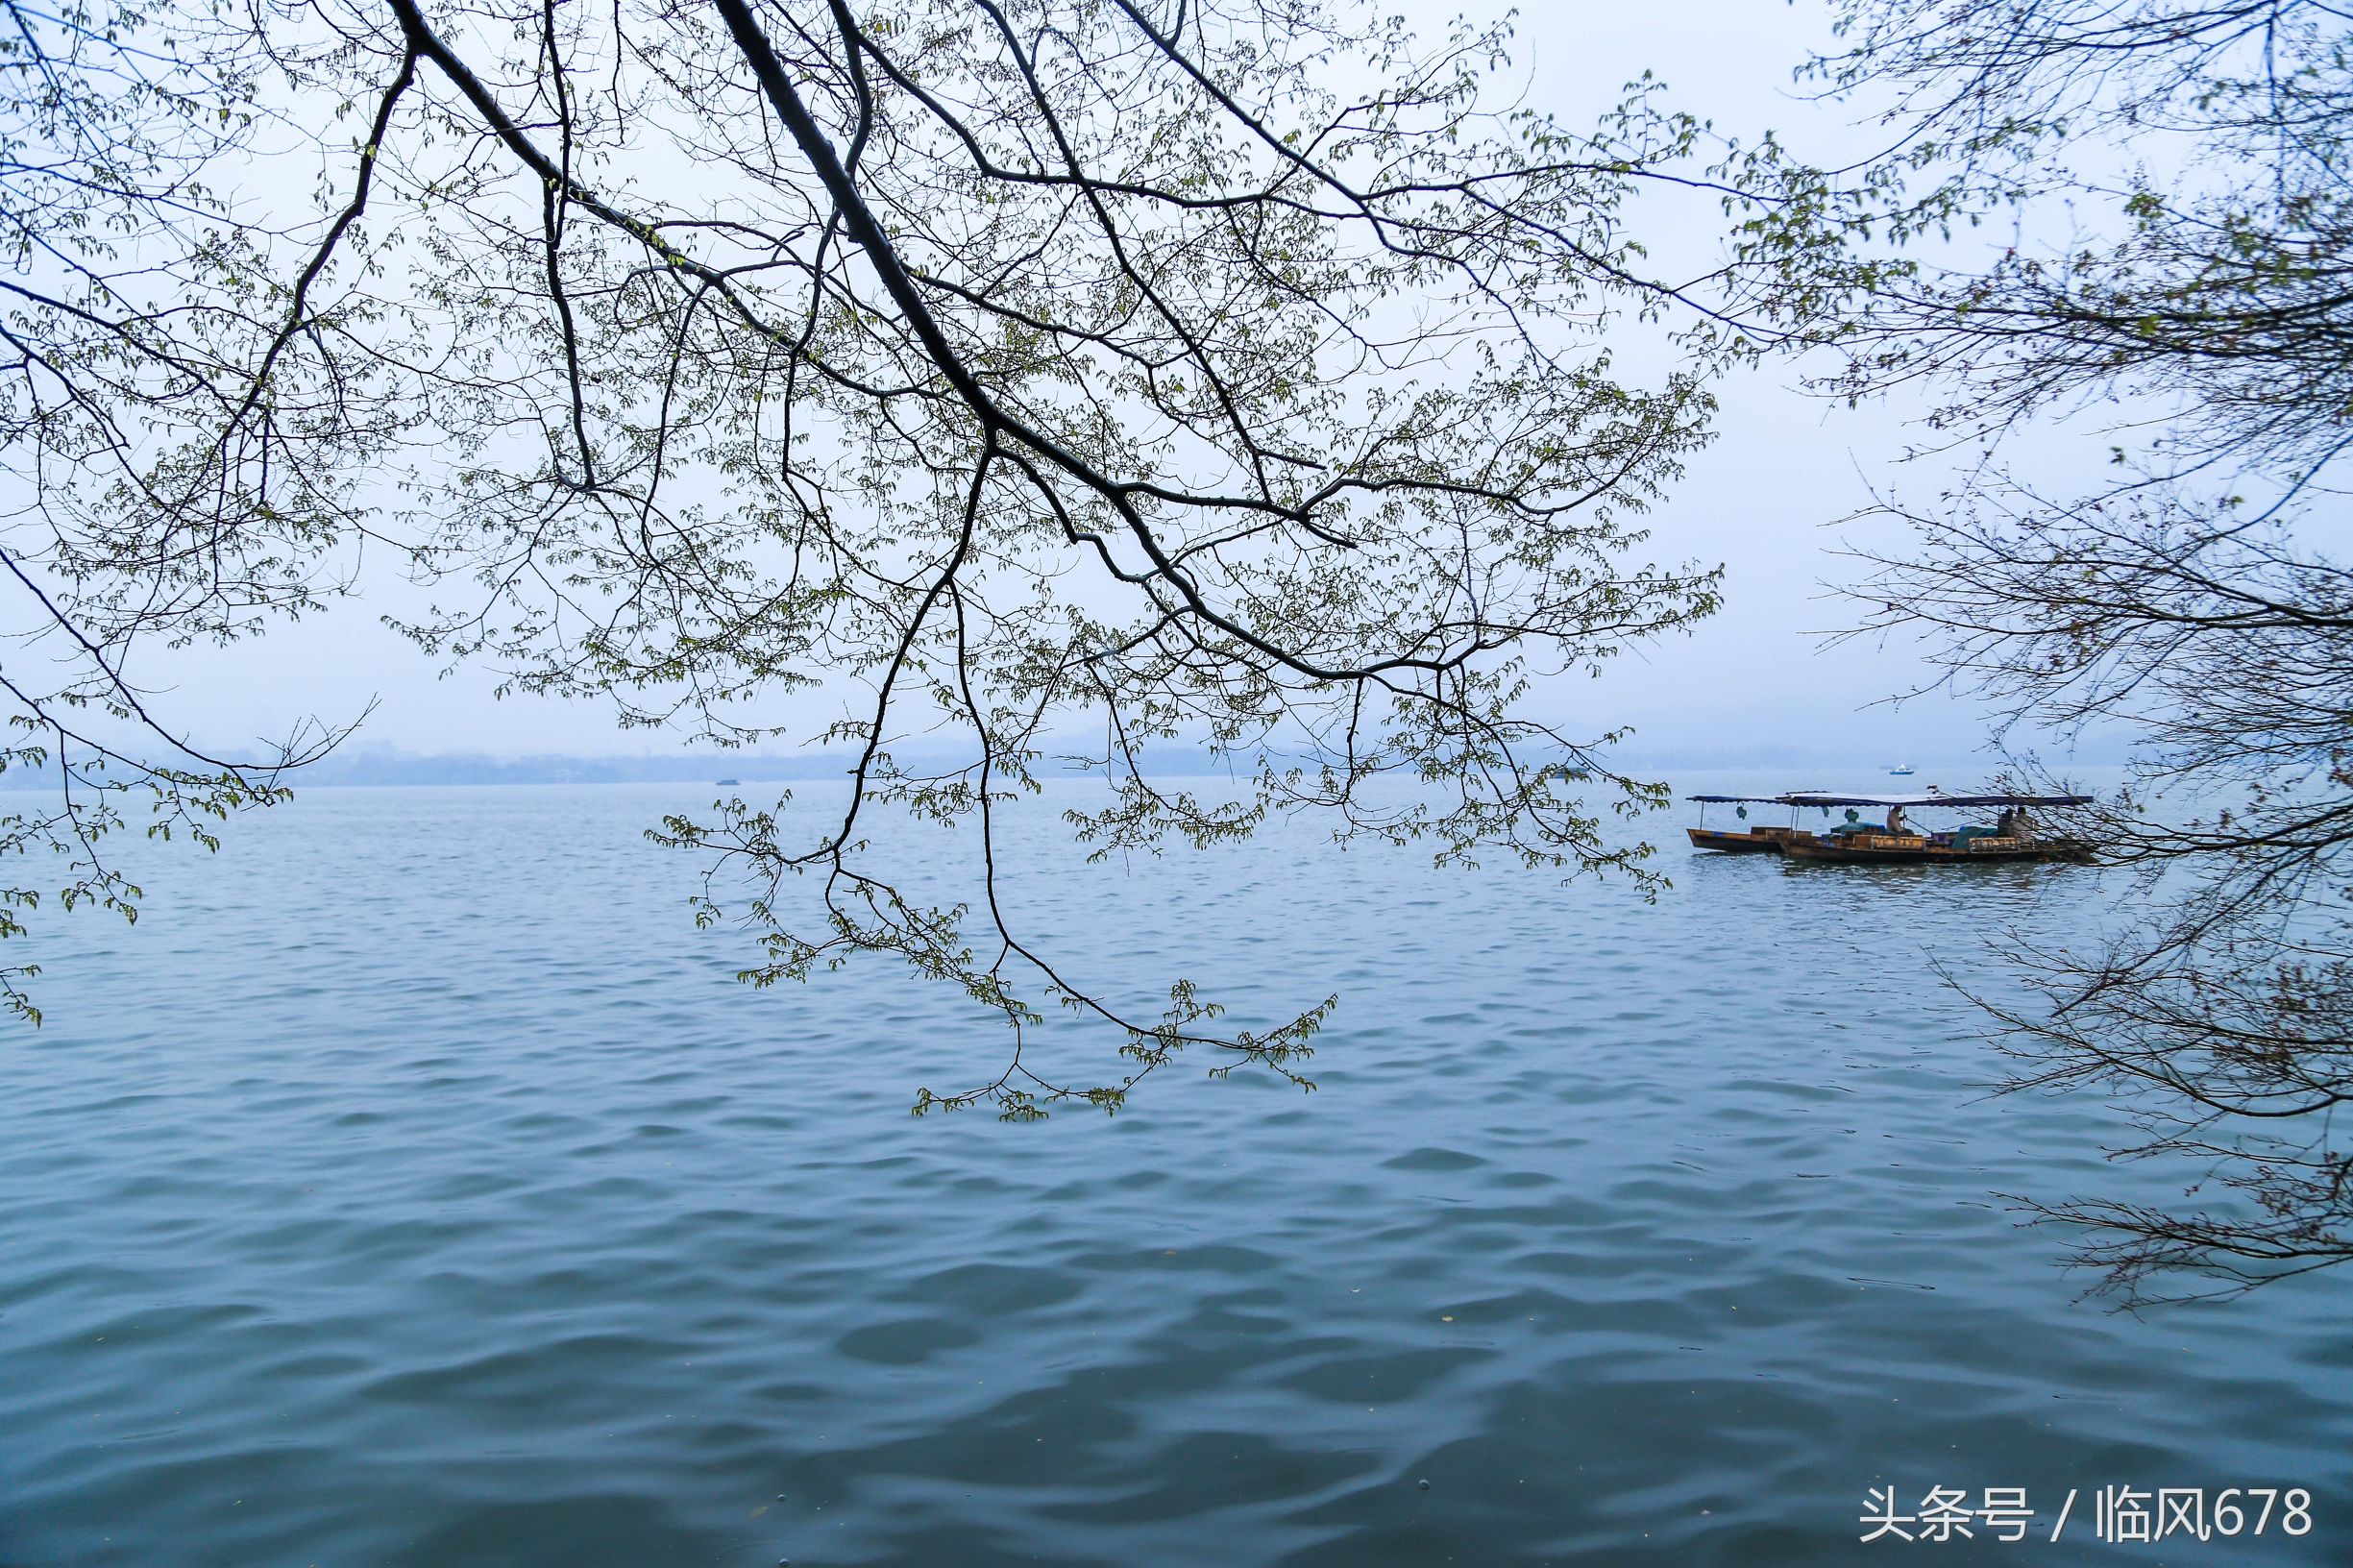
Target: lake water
414 1185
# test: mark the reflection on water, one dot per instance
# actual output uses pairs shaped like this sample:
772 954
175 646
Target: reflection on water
415 1187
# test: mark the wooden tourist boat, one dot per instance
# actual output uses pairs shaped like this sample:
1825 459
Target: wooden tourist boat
1893 842
1747 840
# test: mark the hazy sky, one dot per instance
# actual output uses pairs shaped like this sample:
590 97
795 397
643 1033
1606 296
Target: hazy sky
1761 501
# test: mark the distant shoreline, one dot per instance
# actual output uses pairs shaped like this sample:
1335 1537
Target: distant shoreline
375 772
380 769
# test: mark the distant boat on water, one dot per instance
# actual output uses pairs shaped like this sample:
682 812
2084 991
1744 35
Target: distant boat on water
1901 769
726 781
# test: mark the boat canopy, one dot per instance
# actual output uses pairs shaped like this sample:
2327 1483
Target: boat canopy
1913 803
1739 799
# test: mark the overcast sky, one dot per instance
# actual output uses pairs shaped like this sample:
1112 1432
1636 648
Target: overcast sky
1762 501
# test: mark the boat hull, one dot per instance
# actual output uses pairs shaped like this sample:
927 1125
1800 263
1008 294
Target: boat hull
1883 849
1754 841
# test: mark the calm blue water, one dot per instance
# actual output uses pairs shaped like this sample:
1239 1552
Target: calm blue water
414 1185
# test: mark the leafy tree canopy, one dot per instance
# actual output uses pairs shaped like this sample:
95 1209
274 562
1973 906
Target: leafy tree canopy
1041 376
2178 294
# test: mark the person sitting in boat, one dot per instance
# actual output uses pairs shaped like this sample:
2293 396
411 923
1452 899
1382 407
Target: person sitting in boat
2012 824
1894 819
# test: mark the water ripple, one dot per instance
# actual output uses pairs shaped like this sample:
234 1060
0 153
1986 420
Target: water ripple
412 1189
